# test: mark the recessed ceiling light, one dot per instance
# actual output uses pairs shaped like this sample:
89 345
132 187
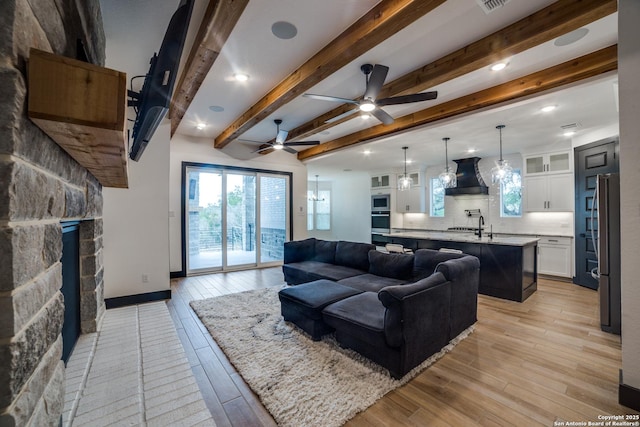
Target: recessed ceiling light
201 126
216 108
471 150
241 77
571 37
569 133
367 152
548 108
499 66
284 30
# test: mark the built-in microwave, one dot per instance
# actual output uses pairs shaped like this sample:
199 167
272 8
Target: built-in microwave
381 202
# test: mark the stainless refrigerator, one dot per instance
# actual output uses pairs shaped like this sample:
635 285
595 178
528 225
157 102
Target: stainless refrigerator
607 247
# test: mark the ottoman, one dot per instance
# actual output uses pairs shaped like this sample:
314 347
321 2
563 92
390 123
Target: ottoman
303 304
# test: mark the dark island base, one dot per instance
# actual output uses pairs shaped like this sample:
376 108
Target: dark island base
506 271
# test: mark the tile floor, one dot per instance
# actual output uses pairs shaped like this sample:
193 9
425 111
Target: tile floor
134 371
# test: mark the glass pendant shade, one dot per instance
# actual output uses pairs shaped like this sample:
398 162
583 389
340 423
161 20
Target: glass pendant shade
405 182
502 171
315 197
447 177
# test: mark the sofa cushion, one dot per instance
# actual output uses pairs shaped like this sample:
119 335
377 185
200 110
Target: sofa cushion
325 251
426 261
370 282
353 254
397 266
299 250
394 294
360 315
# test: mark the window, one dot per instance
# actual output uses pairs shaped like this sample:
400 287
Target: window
511 196
437 198
319 211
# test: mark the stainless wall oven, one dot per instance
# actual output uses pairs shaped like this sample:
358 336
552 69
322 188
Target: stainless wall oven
380 221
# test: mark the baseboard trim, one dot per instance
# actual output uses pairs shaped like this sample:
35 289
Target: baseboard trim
628 396
137 299
176 274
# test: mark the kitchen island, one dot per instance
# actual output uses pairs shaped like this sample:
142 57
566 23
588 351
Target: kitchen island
508 265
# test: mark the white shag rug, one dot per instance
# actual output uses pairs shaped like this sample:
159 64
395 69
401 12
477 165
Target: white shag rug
301 382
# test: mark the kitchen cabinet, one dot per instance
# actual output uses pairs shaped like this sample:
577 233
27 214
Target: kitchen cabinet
555 256
411 201
548 163
549 193
415 178
381 181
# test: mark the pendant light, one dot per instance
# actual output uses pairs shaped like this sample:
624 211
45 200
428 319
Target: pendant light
502 171
447 177
315 197
405 182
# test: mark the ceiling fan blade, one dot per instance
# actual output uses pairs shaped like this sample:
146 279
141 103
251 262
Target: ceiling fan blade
289 150
248 141
341 116
376 80
261 149
282 136
294 143
405 99
383 116
330 98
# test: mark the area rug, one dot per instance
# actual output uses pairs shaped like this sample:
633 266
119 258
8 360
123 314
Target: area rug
299 381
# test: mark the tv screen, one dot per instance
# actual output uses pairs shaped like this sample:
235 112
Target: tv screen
153 100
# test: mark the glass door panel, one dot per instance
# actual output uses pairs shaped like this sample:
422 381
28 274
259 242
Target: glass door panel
204 219
241 219
273 218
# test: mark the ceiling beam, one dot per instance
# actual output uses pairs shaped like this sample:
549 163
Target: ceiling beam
587 66
381 22
553 21
218 21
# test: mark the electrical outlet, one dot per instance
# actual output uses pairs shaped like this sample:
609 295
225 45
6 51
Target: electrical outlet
145 278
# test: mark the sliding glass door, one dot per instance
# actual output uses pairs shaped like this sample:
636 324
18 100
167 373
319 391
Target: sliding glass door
234 218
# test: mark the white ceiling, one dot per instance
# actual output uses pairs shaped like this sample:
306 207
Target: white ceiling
253 49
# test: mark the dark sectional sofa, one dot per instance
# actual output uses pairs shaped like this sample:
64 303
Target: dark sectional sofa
395 309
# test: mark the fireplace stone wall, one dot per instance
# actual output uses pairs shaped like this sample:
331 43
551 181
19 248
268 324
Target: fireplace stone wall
40 186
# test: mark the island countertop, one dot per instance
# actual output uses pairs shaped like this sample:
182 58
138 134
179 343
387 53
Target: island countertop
453 236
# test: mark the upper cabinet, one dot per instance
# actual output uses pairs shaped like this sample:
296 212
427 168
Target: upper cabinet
414 176
381 181
412 200
548 163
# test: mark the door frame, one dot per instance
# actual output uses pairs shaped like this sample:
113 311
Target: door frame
223 168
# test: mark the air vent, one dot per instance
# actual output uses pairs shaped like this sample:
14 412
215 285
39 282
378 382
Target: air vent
489 6
570 126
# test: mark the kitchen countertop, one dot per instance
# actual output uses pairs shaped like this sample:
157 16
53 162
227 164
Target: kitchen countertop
453 236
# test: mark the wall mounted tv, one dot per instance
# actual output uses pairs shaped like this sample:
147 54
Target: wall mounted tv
152 102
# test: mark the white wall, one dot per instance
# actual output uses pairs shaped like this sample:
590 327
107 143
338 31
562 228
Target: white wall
559 223
136 238
350 207
200 150
628 71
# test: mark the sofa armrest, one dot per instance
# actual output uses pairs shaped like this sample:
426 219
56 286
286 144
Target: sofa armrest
299 250
391 295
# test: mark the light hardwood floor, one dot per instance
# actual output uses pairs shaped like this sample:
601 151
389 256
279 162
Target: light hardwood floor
526 364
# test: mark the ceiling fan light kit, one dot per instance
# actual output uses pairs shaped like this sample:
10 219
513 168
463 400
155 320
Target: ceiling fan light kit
375 76
405 182
447 177
281 142
502 171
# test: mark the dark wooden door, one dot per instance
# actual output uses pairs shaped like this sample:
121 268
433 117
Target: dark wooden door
590 160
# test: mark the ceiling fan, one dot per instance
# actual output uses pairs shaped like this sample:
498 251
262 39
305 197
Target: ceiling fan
279 143
375 76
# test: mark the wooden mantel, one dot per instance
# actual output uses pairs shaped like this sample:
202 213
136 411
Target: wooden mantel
82 107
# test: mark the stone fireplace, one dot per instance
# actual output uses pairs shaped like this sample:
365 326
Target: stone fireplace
41 186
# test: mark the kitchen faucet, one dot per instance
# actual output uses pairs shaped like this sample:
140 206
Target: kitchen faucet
480 224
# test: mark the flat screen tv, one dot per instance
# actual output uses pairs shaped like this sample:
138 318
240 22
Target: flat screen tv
152 102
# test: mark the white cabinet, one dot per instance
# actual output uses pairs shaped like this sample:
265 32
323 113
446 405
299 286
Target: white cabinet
548 163
555 256
415 178
381 181
549 193
411 201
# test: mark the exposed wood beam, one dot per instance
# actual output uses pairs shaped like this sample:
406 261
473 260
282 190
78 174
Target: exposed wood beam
587 66
218 21
553 21
385 19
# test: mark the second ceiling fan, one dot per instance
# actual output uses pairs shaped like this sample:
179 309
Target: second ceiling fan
375 76
280 142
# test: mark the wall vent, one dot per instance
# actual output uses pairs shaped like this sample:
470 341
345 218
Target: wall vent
489 6
570 126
